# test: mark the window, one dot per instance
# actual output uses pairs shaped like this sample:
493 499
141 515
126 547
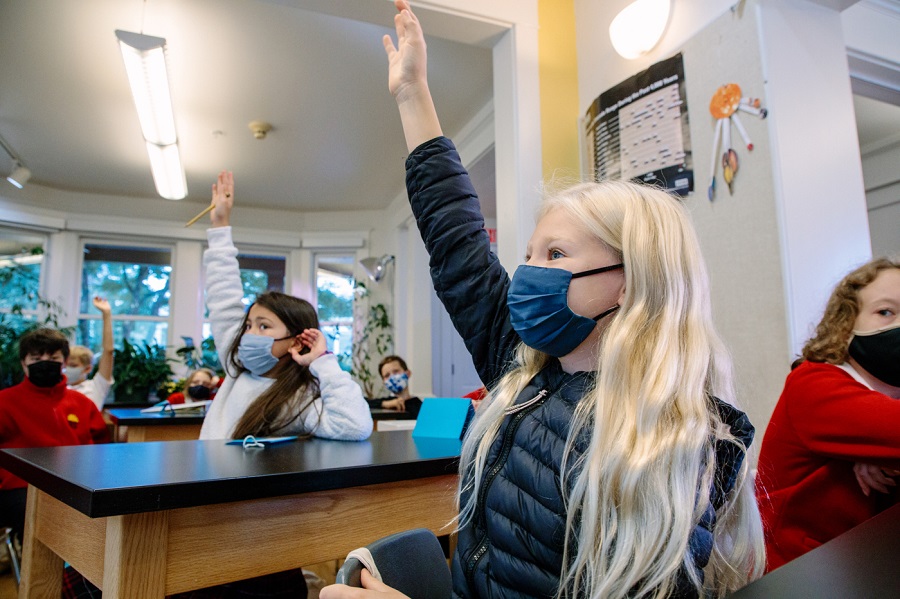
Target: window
21 305
259 273
334 299
135 281
21 258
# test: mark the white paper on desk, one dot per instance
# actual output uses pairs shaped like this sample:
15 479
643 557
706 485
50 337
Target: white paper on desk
194 405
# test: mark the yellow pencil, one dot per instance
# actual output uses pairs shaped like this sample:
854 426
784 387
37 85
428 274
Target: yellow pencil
206 211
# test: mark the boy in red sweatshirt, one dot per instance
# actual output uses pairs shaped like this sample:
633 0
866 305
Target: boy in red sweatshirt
42 412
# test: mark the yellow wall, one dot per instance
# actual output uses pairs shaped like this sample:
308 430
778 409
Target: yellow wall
559 88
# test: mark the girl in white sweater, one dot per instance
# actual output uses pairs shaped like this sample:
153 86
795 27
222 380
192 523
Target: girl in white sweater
280 378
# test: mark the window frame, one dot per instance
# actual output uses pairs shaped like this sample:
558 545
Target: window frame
316 257
148 243
38 312
244 250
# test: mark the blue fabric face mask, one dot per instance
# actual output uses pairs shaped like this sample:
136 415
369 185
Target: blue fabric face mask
255 353
397 382
539 309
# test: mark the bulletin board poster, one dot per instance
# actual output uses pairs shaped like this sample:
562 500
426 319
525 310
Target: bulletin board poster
639 130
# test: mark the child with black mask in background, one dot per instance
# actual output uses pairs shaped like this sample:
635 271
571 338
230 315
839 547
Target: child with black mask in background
42 411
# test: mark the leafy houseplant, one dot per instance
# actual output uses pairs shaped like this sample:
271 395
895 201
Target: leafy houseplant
204 356
194 358
373 342
138 370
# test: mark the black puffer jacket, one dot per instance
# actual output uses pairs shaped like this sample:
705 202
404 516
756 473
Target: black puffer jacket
514 546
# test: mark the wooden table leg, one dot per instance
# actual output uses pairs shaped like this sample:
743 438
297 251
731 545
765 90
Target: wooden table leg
135 557
41 568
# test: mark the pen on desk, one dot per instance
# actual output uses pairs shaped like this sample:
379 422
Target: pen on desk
206 211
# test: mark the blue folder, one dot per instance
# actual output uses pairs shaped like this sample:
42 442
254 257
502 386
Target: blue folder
443 418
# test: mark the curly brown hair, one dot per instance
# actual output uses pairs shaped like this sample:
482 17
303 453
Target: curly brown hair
833 332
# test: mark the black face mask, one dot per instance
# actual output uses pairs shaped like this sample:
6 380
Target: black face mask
199 392
879 353
45 373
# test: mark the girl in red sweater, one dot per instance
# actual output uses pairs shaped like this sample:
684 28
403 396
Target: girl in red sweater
833 437
201 384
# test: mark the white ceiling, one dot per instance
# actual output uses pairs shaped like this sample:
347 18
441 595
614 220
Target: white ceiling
319 79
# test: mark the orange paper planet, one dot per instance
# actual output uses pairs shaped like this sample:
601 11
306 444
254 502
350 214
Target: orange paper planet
725 101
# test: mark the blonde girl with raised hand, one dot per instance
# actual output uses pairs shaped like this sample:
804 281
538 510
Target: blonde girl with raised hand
280 380
608 460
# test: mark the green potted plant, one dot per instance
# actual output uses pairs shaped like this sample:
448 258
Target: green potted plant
204 356
139 370
374 340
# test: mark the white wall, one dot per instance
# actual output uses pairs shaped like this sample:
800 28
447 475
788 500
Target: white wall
797 219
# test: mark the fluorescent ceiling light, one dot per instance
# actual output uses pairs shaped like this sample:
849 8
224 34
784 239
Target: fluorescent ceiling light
165 164
145 64
639 27
19 176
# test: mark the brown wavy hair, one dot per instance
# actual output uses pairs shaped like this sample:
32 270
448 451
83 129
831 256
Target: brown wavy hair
387 360
833 332
295 387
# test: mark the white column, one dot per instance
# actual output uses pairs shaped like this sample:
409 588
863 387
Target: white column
818 180
301 278
187 303
61 274
517 134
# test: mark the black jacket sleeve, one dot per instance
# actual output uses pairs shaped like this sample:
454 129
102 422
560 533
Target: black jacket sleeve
467 276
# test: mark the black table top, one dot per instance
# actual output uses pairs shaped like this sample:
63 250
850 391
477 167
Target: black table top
134 417
859 564
127 478
385 414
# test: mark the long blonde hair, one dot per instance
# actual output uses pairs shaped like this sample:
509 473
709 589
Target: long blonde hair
650 422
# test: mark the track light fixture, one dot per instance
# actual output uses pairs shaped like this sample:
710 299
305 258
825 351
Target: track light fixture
19 176
376 267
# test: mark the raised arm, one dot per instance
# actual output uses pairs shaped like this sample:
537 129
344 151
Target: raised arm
408 78
224 292
105 365
467 276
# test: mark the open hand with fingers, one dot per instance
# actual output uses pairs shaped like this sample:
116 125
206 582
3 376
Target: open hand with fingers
407 74
222 199
314 339
102 305
875 478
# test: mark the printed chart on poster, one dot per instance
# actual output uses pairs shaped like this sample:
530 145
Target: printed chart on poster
640 130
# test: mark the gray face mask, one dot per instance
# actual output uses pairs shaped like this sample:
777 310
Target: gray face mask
74 374
255 353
